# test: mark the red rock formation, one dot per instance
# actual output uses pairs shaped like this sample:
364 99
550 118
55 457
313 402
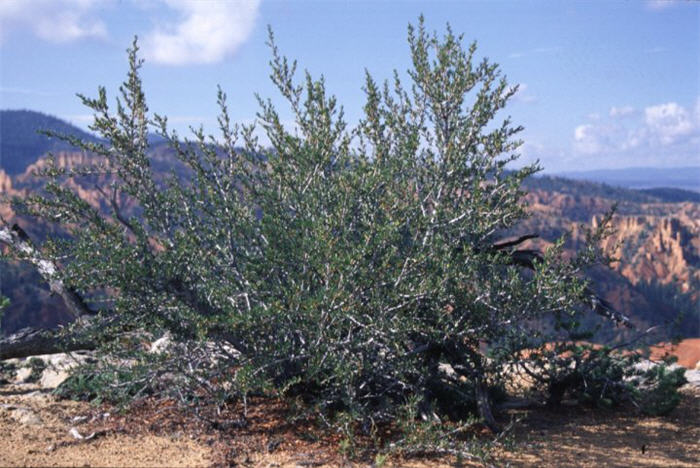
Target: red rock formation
659 248
6 190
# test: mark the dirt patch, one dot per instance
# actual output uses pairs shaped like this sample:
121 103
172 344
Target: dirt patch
593 438
155 433
46 440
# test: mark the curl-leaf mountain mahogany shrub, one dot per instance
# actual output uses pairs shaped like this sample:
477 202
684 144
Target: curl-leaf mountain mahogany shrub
347 266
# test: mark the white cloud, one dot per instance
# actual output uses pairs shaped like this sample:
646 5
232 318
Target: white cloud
660 134
623 111
53 20
593 139
207 32
203 31
668 122
660 4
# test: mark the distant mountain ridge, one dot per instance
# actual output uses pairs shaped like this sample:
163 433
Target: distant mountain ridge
686 178
21 140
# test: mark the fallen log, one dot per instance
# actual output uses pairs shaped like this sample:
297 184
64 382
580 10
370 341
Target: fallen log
35 341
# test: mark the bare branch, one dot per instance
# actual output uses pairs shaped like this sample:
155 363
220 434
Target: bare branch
18 240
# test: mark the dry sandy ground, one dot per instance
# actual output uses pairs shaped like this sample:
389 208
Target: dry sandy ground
46 441
587 438
155 435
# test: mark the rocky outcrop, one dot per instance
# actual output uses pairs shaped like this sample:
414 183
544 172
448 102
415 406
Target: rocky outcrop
63 160
47 371
566 206
5 182
664 249
657 242
6 190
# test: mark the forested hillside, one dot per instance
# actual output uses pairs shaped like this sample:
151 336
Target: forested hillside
21 140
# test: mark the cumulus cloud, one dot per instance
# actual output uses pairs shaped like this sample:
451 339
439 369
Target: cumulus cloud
206 32
52 20
202 31
623 111
668 122
668 130
593 139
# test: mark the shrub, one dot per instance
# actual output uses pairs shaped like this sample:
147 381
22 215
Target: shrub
117 384
349 267
4 302
7 372
656 393
37 366
603 377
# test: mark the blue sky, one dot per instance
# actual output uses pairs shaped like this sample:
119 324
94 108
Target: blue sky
604 84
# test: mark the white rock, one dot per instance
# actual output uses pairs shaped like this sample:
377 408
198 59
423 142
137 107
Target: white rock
52 378
74 432
645 364
162 344
446 369
23 374
58 368
25 416
693 377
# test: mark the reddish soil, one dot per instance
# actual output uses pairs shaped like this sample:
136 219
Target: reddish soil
687 352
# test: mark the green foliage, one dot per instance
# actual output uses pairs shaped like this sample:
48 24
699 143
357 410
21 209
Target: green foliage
605 377
7 371
4 302
680 310
96 384
658 395
347 266
594 189
37 366
673 195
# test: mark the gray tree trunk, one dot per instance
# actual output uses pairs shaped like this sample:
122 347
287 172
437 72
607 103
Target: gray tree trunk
33 342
